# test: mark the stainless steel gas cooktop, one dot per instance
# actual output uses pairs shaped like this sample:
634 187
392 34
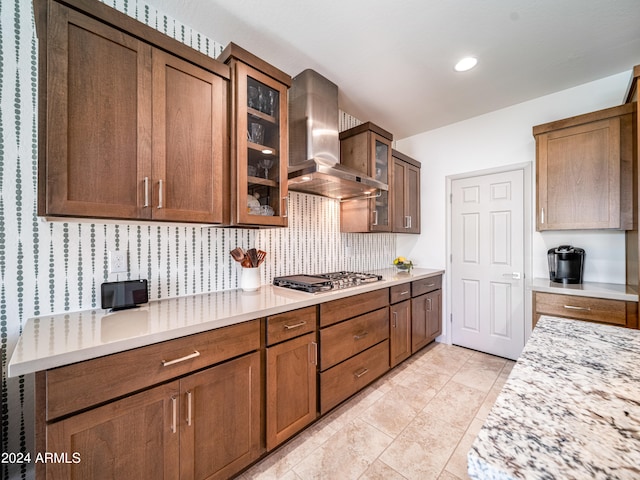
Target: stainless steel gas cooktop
325 281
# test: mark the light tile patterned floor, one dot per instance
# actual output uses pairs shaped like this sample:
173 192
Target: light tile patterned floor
417 422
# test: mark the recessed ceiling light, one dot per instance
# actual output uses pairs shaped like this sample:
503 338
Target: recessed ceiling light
467 63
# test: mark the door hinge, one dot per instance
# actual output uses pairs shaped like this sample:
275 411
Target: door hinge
451 198
451 317
451 258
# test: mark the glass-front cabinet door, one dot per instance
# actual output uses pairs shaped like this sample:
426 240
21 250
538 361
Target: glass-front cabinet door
259 155
381 159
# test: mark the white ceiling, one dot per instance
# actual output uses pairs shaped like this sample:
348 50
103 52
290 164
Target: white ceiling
393 60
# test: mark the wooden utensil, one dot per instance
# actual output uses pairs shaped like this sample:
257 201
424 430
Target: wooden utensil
238 254
246 262
252 253
261 256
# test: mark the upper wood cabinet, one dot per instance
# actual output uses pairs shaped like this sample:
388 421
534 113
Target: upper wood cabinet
405 194
367 149
127 130
259 140
584 171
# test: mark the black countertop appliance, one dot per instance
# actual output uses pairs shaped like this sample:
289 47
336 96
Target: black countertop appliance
566 264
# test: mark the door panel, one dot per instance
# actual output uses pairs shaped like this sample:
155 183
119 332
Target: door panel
488 262
188 136
98 118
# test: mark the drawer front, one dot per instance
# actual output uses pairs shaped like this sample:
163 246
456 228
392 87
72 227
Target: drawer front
290 325
341 341
82 385
342 381
398 293
426 285
582 308
338 310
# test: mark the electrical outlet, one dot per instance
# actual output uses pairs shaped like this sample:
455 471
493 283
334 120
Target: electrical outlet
117 261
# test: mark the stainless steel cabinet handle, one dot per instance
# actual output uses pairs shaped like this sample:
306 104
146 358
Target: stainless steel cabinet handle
406 292
360 373
160 195
572 307
297 325
189 408
429 304
360 336
542 215
375 217
166 363
146 191
395 319
174 414
286 207
313 348
410 221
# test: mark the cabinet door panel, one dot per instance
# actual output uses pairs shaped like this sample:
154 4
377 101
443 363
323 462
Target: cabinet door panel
399 169
412 199
130 438
98 108
189 118
220 419
291 388
400 336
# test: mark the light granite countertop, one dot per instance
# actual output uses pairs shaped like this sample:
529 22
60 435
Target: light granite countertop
61 339
610 291
569 410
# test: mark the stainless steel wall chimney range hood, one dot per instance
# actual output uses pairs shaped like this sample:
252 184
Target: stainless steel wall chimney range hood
314 146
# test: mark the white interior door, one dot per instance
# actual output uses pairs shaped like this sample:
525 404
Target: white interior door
487 263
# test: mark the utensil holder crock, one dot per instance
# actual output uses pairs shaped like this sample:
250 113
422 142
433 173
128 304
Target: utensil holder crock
250 279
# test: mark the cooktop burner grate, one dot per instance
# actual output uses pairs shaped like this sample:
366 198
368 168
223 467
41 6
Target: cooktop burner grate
325 281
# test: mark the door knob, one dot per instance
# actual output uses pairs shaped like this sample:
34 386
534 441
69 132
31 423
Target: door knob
514 275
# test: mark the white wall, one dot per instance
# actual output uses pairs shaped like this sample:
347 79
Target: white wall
501 138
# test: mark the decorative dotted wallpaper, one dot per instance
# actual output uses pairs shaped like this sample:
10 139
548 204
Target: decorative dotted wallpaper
50 267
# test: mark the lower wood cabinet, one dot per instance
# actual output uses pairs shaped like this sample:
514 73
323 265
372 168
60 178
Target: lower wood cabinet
206 425
400 333
197 413
601 310
426 321
352 375
354 345
291 388
291 373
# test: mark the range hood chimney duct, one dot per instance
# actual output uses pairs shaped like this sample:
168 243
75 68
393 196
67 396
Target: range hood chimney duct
314 144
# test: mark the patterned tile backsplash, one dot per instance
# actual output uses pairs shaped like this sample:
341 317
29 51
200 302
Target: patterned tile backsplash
57 266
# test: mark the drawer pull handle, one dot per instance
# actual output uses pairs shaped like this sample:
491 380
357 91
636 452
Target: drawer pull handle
166 363
146 192
431 285
313 347
360 335
174 414
297 325
395 319
160 194
360 373
189 408
406 292
572 307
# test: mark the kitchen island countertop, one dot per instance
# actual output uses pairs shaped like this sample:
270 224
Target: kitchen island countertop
55 340
570 408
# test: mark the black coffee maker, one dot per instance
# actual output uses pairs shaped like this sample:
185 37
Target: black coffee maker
566 264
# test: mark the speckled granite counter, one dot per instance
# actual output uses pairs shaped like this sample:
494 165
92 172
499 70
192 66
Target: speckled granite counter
56 340
611 291
570 409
